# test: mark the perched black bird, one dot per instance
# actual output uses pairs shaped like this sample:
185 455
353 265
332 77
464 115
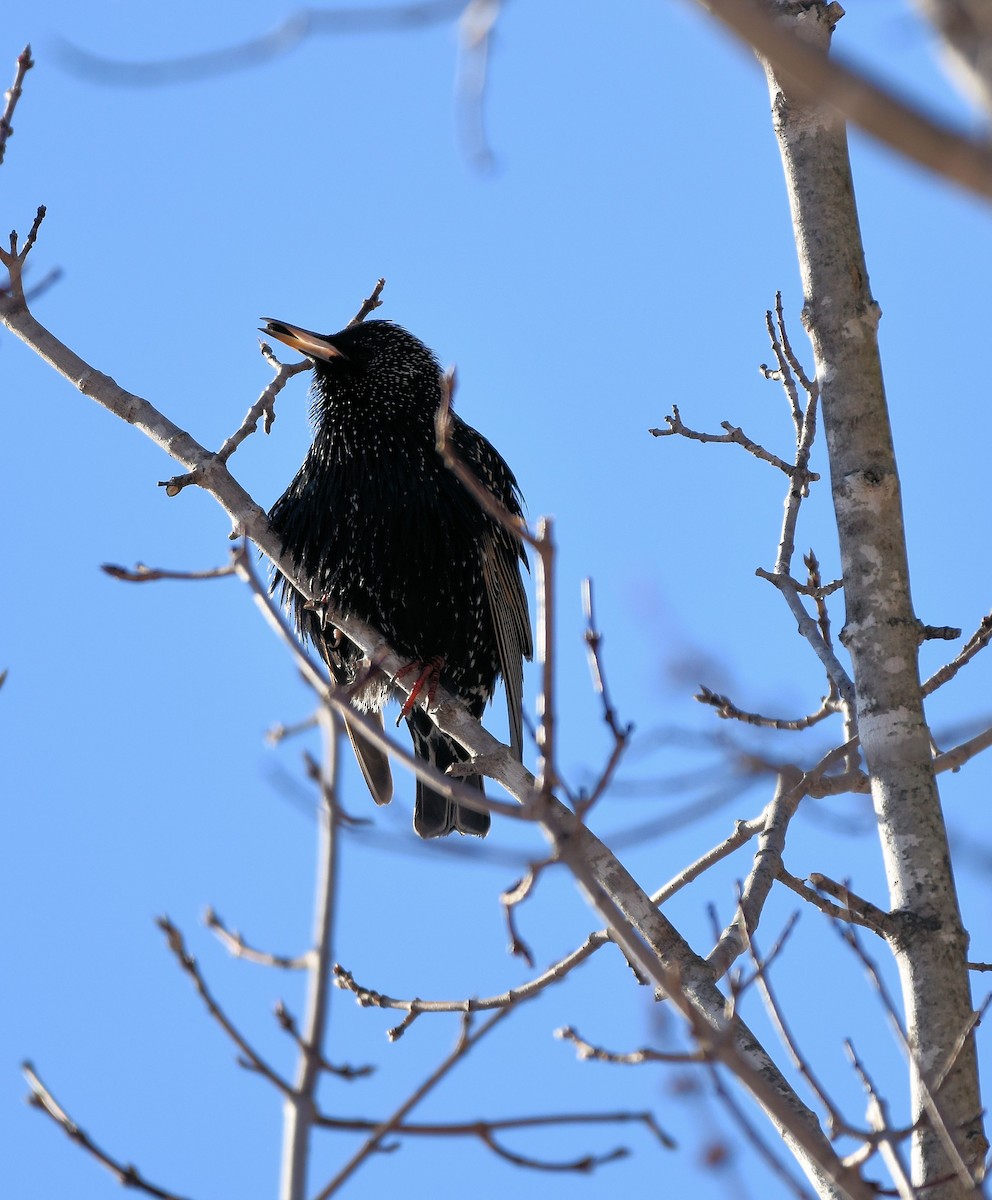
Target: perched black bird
385 532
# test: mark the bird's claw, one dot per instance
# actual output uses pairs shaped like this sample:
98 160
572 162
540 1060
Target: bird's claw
429 677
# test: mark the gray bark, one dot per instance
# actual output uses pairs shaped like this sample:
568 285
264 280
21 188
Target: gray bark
882 633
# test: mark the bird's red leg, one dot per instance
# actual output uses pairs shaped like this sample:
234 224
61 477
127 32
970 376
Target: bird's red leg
429 677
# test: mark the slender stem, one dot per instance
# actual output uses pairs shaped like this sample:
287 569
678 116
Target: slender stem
299 1109
465 1042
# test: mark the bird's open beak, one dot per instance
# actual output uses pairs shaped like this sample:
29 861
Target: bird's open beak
313 345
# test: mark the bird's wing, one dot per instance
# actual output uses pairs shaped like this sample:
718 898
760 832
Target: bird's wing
374 763
501 555
511 623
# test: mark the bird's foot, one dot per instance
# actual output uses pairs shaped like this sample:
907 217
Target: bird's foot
429 677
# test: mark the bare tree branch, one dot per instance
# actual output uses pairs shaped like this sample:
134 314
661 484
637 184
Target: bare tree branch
286 36
466 1040
24 64
485 1131
252 1059
126 1173
345 1071
630 1058
815 79
239 948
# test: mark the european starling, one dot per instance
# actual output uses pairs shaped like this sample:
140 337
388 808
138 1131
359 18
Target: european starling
385 532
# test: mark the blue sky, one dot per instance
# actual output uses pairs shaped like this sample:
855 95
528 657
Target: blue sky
618 259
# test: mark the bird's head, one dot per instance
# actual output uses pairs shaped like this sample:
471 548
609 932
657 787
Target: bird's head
373 362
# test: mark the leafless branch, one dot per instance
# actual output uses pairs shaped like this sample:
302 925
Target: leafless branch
767 860
809 629
369 304
893 120
726 709
869 917
879 1118
485 1131
954 759
862 912
475 32
759 1143
629 1058
13 301
976 643
929 1079
288 1023
369 998
510 898
239 948
24 64
252 1059
732 435
264 407
279 732
139 573
301 1105
779 1021
547 771
126 1173
467 1038
286 36
743 832
621 733
789 367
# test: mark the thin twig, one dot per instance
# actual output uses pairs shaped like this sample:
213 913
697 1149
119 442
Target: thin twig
977 642
629 1058
369 304
24 64
233 941
466 1040
726 709
954 759
621 733
287 1022
743 832
252 1059
139 573
289 33
126 1173
369 998
485 1130
781 1025
926 1079
879 1118
733 435
510 898
547 770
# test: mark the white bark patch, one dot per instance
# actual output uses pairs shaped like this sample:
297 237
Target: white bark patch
880 727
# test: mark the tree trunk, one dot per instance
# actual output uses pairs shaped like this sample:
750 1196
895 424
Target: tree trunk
882 633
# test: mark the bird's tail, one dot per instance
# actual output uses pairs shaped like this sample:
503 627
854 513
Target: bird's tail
435 815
